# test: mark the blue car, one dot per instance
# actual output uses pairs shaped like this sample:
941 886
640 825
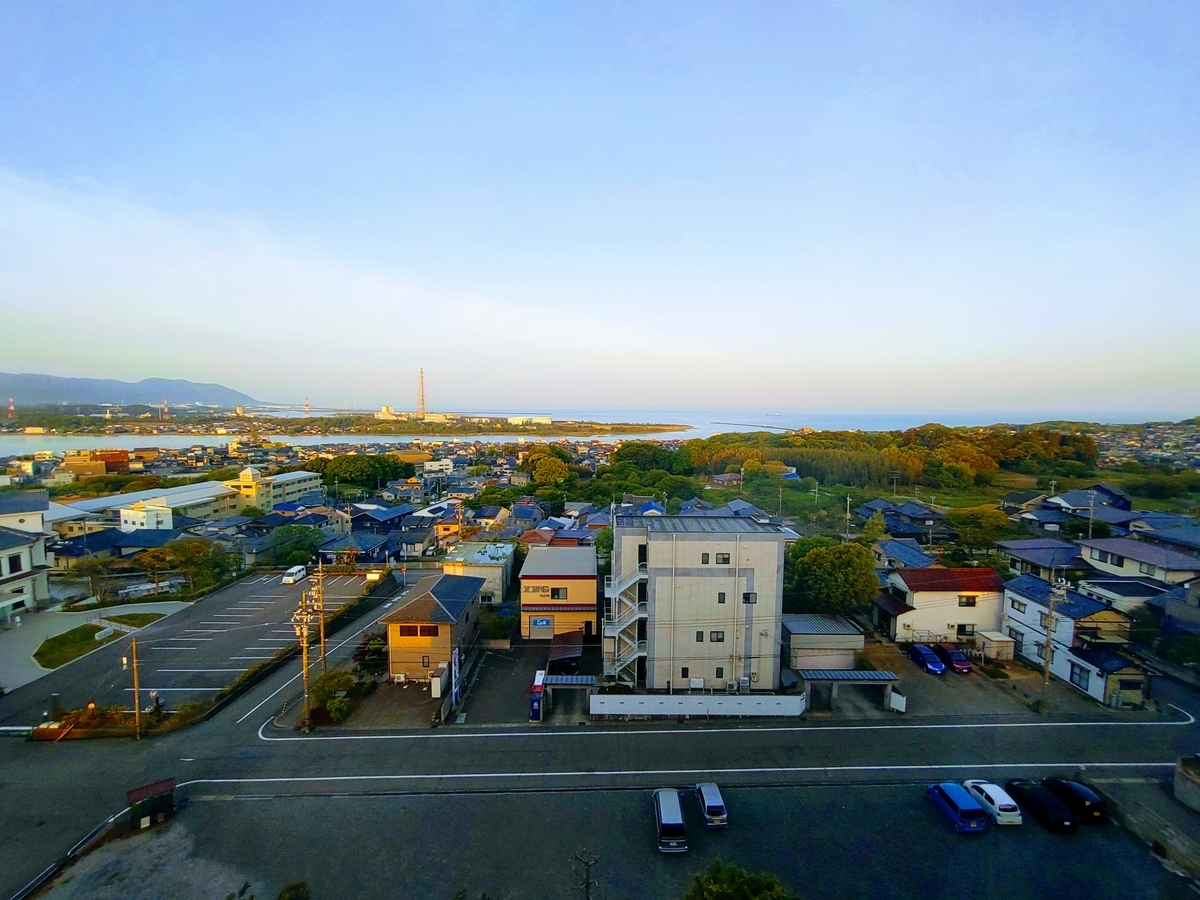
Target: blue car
967 816
926 659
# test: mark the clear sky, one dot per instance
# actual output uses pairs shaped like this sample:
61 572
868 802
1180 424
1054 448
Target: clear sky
989 206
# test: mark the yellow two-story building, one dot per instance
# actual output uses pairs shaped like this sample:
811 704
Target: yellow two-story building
558 592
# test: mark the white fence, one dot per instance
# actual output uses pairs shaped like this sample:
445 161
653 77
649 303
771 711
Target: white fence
697 705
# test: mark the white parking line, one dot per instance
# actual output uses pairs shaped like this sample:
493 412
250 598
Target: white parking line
266 596
272 656
673 773
284 640
199 670
169 647
209 630
192 638
234 616
162 689
218 623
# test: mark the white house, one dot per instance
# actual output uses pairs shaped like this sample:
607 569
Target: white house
1127 557
933 605
24 582
1085 637
146 516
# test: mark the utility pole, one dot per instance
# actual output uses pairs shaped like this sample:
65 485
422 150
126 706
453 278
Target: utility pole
781 501
1091 510
318 596
895 482
588 882
1057 592
301 620
137 694
816 492
847 517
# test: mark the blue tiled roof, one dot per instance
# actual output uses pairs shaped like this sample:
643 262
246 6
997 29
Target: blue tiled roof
1107 514
1045 552
1076 606
1048 516
1103 659
906 554
23 501
1183 537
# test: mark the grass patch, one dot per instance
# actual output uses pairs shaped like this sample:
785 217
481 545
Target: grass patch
135 620
994 669
63 648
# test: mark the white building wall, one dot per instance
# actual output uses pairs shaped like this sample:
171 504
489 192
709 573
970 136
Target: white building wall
683 596
1029 623
939 613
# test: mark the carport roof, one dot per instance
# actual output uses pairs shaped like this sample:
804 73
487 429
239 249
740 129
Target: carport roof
864 676
569 680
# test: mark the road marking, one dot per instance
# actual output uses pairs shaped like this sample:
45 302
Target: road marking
199 670
234 616
169 647
534 732
209 630
161 689
673 773
272 656
267 596
337 646
192 638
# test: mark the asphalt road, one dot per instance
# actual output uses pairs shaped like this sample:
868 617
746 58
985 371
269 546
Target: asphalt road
187 656
52 794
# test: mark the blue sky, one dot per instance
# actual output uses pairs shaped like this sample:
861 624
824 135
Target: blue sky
816 206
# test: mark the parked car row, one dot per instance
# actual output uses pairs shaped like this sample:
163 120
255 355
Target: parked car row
668 815
1059 804
940 658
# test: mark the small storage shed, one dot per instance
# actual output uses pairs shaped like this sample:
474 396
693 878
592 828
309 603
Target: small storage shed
994 645
820 642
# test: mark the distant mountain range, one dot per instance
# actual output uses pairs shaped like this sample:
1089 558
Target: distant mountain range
42 390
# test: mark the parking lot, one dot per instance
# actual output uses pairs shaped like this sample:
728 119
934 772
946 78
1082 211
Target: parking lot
202 649
189 655
850 841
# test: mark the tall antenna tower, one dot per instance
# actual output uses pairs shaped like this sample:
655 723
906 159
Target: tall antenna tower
307 409
12 408
420 393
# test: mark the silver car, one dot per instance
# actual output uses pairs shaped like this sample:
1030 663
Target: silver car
712 805
1002 808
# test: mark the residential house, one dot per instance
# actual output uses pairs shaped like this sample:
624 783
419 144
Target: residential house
1125 594
727 479
1084 635
900 554
1180 607
490 518
1044 557
357 548
493 562
933 605
558 592
1128 557
1184 539
413 541
1044 521
409 490
24 567
1016 502
434 627
695 601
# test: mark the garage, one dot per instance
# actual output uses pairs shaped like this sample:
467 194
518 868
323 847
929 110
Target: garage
541 628
820 642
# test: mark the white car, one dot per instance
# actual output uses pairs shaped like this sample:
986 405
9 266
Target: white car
1002 808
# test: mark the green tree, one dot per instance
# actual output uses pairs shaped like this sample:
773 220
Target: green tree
604 541
550 470
252 512
296 890
94 569
294 545
791 562
875 527
978 527
725 881
327 685
836 579
155 562
200 560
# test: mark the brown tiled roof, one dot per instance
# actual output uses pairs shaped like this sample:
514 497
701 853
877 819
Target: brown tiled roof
985 580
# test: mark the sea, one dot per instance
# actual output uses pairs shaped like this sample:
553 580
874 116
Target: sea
694 423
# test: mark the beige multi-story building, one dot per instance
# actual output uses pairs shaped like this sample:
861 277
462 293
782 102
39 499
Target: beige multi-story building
558 592
264 491
491 562
694 602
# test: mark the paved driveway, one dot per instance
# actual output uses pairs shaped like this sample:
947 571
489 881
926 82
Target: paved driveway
17 645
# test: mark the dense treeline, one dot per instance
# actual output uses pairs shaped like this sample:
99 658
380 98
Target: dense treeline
932 454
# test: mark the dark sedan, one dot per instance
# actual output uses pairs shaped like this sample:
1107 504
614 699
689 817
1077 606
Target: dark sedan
1080 799
1043 805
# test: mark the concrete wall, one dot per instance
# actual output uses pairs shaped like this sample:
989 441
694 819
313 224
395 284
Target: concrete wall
695 705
